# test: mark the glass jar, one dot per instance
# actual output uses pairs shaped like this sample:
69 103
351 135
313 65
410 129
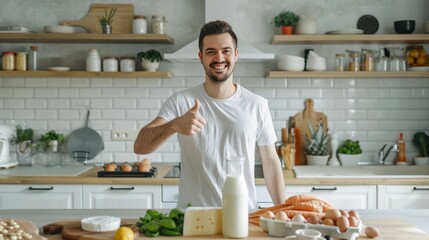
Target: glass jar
93 61
110 64
340 62
368 63
32 58
8 61
139 25
158 24
354 62
127 64
21 61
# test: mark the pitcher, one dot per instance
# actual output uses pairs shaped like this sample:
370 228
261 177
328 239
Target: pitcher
306 24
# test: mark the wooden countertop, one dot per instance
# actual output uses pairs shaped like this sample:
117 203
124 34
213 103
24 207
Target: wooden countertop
90 177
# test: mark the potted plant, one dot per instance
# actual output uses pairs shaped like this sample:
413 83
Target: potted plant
150 59
107 20
286 20
51 140
421 141
316 146
350 153
24 144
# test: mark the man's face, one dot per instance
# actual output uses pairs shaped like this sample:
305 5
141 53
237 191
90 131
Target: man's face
218 56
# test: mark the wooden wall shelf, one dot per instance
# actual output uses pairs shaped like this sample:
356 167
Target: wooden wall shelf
84 74
347 39
346 74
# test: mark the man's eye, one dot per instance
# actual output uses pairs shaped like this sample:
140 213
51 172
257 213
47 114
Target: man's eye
227 51
210 52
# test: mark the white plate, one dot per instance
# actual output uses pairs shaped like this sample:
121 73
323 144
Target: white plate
416 69
60 69
58 29
346 31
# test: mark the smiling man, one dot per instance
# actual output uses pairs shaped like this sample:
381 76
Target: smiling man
215 120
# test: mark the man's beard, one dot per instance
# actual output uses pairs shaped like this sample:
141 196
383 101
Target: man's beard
218 79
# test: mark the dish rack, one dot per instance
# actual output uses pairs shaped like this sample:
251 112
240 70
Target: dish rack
278 228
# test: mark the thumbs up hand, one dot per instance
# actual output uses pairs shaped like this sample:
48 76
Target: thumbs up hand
191 122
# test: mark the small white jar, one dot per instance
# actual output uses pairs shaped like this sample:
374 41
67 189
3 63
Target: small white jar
139 25
128 64
93 61
110 64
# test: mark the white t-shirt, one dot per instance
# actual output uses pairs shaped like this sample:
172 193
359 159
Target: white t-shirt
234 126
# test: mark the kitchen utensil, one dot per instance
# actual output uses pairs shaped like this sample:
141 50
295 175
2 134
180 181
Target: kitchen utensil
307 24
122 21
84 141
368 23
302 119
6 133
404 26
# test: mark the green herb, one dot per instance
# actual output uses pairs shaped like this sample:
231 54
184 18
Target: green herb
155 223
350 147
285 18
107 19
23 135
152 55
421 141
50 136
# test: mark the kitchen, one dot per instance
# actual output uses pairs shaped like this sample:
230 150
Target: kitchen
373 110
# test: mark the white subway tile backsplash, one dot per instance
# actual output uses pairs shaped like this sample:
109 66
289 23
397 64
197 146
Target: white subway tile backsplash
58 103
367 83
124 82
101 82
368 125
356 93
321 83
68 92
275 83
311 93
106 125
46 114
6 92
252 82
346 125
287 93
23 93
79 103
45 92
13 103
135 114
58 82
160 92
80 82
344 103
31 103
136 92
264 92
23 114
59 125
124 124
148 82
115 114
344 83
35 82
124 103
378 93
148 103
101 103
298 82
174 82
89 92
368 104
114 146
6 114
65 114
170 157
112 92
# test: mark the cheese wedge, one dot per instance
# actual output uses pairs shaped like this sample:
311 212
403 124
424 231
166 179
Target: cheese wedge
100 223
202 221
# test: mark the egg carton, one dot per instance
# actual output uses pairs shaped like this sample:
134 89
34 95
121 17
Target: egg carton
279 228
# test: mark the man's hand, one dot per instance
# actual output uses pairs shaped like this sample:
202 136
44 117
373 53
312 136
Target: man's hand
190 123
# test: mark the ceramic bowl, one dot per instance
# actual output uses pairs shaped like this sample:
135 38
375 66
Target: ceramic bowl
58 29
290 66
404 26
422 161
349 159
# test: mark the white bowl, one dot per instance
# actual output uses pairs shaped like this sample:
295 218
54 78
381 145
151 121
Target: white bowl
58 29
290 66
423 161
349 159
288 58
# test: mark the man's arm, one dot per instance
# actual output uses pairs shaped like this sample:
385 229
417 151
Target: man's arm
159 130
273 173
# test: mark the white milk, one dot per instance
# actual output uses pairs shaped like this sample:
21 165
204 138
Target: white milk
235 208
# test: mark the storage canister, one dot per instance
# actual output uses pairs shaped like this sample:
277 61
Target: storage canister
354 62
340 62
32 58
158 24
127 64
110 64
139 25
368 63
93 61
21 61
8 61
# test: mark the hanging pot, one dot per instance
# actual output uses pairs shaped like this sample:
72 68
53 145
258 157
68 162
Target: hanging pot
84 143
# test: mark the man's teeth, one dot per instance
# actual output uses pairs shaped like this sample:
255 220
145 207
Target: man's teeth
219 67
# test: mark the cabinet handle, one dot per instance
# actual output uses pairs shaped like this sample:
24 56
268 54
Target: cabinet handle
45 189
121 188
324 189
420 189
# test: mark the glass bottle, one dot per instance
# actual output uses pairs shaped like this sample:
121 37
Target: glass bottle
32 58
235 200
93 61
333 161
381 61
340 62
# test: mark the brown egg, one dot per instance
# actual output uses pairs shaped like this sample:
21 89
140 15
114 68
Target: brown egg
268 214
354 222
298 218
146 161
354 214
109 167
372 232
344 213
125 167
328 221
282 216
343 223
313 219
144 168
333 214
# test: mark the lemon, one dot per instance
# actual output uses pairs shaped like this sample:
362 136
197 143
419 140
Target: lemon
124 233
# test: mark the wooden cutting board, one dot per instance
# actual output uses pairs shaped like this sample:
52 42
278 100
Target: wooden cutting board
122 21
302 121
26 226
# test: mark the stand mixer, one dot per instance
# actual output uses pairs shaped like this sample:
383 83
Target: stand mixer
5 137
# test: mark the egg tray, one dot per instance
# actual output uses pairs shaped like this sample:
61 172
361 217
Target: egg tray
278 228
133 173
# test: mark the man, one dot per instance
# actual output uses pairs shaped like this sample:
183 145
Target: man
215 120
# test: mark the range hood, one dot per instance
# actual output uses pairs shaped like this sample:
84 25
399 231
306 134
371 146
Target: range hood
220 10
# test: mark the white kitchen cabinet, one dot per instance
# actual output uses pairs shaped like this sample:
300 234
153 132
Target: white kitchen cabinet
170 195
403 197
341 197
121 196
37 196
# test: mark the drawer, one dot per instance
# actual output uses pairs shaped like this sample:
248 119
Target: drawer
170 193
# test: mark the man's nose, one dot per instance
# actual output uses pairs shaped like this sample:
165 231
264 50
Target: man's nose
219 56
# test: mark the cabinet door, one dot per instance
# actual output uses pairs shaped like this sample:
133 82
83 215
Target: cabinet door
170 194
403 197
121 196
341 197
37 196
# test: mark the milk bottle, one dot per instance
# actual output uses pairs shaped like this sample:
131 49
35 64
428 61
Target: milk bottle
235 201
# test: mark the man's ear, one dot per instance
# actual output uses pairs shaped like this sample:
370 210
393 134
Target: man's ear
200 56
236 55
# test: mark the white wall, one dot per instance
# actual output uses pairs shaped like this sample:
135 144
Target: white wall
371 110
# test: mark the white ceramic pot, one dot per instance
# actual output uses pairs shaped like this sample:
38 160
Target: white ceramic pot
421 161
147 65
349 159
317 160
